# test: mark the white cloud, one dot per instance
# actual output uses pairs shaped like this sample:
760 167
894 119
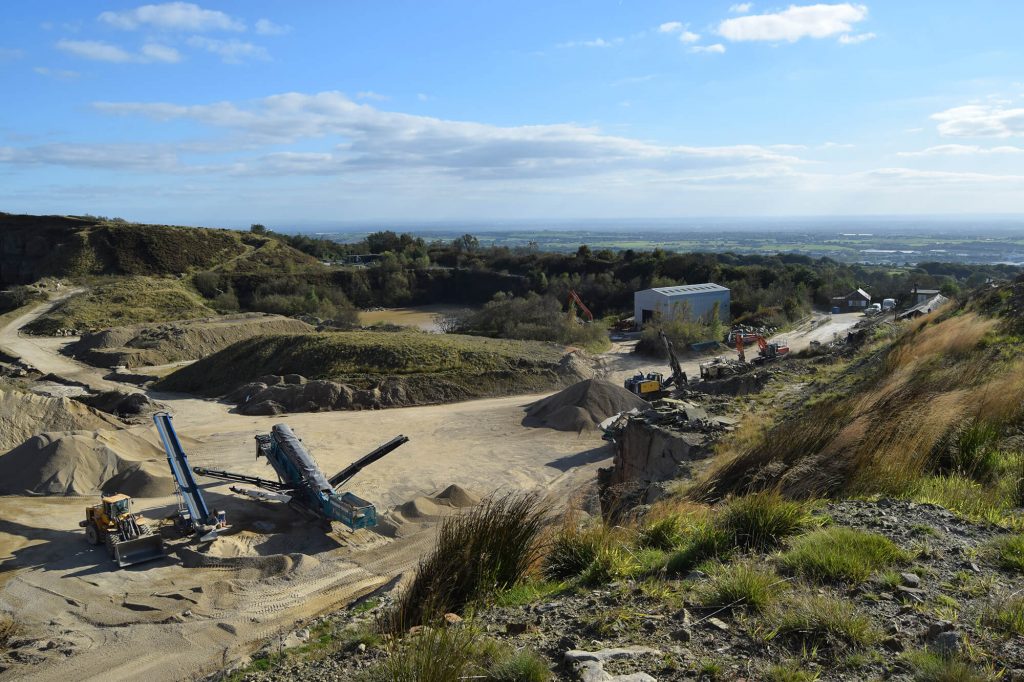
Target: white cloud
964 150
911 176
362 138
670 27
596 42
160 53
980 120
741 8
423 97
95 50
717 48
265 27
103 156
105 52
856 38
837 145
230 51
794 23
688 37
9 54
60 74
172 16
371 95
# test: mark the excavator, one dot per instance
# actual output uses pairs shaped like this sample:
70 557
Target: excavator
766 351
574 302
653 385
127 535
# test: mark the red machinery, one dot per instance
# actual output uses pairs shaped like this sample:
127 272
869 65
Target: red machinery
766 351
575 300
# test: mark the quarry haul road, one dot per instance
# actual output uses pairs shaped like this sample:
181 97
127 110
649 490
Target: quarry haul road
131 624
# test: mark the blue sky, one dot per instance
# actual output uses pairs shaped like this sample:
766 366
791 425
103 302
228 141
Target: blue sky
293 113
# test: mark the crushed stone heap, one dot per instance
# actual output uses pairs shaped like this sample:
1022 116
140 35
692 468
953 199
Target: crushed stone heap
582 406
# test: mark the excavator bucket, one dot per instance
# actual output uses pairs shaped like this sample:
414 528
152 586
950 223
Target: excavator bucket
138 550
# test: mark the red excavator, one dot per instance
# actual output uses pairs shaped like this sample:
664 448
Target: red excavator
766 351
574 302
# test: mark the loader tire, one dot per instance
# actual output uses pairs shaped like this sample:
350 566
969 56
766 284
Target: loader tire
91 535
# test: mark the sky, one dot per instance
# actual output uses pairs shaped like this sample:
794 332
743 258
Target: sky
316 113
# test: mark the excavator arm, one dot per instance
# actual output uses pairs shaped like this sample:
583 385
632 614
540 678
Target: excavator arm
574 299
678 375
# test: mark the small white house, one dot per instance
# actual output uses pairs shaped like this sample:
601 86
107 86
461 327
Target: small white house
698 299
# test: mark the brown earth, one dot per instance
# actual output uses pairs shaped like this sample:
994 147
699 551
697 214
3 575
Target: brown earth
164 343
23 415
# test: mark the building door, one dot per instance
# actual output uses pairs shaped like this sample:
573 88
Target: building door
646 316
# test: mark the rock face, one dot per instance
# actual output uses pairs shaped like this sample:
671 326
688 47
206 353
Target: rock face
32 247
649 453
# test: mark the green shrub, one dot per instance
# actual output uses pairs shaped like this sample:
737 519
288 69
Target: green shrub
704 541
435 654
1010 552
841 554
1006 614
486 549
572 551
809 621
522 666
742 585
930 666
665 534
612 562
789 671
760 521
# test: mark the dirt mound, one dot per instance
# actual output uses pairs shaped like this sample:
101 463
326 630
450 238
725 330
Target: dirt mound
23 415
160 344
424 508
119 403
582 406
85 463
458 496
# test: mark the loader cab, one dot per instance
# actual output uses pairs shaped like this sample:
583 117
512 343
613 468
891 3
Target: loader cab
116 506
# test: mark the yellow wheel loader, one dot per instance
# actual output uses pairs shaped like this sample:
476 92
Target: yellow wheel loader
128 536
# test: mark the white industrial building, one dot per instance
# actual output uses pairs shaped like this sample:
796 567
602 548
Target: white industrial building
698 299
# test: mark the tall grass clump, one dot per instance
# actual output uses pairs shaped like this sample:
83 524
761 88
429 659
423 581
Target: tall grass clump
1010 552
1005 614
742 586
820 621
930 666
9 629
760 521
435 654
840 554
665 534
596 554
703 542
478 552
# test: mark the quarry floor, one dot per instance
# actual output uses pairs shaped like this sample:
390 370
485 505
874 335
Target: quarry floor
165 621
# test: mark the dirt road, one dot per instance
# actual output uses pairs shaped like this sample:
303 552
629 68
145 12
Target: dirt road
133 623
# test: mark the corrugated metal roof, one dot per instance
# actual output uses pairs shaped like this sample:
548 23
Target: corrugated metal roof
689 289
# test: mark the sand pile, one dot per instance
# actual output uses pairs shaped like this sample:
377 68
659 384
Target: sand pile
160 344
23 415
86 463
423 507
582 406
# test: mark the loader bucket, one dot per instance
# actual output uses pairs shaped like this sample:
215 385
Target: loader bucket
137 550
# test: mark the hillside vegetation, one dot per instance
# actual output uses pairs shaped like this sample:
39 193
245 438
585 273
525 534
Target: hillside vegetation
112 302
361 359
935 416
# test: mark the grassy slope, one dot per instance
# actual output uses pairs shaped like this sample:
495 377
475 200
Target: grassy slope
930 416
124 300
363 357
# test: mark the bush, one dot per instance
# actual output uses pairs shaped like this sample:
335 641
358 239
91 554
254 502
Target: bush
593 554
930 666
522 666
665 534
1006 614
485 549
1010 552
9 629
533 318
704 541
760 521
789 672
742 585
435 654
818 621
841 554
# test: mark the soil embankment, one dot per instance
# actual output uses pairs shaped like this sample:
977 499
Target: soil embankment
269 375
160 344
23 415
